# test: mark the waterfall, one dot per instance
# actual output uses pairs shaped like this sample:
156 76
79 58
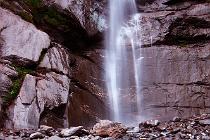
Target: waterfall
123 61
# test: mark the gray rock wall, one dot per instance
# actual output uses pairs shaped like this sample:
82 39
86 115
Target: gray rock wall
175 67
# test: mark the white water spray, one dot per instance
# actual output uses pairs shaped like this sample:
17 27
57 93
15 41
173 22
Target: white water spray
123 61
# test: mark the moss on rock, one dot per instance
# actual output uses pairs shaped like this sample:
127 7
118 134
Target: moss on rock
17 83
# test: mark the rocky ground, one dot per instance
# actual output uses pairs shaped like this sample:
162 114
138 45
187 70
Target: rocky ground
196 127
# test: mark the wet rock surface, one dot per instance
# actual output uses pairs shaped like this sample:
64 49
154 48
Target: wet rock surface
175 58
87 89
196 127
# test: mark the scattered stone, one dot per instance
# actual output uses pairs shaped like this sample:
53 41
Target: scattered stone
133 130
162 127
205 138
176 119
70 131
106 128
196 127
150 123
37 135
205 122
45 128
1 136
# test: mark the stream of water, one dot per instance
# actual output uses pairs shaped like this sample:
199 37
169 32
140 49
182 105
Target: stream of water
123 61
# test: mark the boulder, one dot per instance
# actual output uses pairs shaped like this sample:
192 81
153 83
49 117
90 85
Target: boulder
177 119
52 91
45 93
45 128
106 128
36 135
22 41
28 90
23 116
58 59
150 123
71 131
205 122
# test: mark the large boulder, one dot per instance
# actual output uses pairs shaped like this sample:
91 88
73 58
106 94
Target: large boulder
38 96
58 59
22 41
106 128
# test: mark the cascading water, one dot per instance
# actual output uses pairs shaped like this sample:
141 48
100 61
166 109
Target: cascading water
122 61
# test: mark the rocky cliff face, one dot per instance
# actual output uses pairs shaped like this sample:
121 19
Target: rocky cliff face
51 61
48 77
176 52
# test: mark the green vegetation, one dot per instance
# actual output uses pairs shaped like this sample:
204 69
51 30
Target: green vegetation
43 14
33 3
26 16
53 17
17 83
36 12
183 46
22 71
182 43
